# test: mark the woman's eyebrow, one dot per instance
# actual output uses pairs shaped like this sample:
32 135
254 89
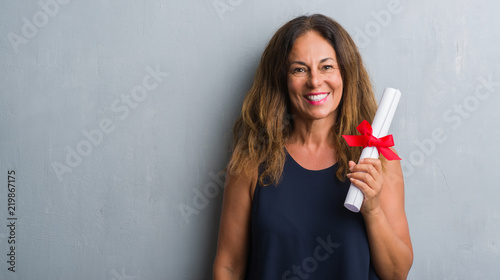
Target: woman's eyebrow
325 59
303 63
298 62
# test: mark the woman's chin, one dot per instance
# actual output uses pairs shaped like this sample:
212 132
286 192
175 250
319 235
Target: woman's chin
317 116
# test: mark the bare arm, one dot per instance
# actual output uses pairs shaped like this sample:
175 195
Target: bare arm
232 248
383 210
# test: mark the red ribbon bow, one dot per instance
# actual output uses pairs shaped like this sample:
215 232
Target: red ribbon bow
368 140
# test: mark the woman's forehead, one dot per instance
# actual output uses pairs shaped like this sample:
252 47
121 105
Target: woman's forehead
311 47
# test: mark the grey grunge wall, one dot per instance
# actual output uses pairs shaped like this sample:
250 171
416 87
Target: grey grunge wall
116 118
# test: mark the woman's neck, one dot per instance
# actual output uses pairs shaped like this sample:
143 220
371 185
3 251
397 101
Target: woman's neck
312 134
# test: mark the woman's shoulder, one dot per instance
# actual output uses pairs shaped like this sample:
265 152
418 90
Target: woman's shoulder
393 171
243 181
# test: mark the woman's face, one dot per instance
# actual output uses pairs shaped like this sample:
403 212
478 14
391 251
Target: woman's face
314 81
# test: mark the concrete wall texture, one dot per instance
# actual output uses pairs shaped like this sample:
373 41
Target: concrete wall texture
116 118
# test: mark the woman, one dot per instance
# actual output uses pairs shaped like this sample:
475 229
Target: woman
283 214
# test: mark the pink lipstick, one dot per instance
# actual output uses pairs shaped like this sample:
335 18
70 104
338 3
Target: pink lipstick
316 98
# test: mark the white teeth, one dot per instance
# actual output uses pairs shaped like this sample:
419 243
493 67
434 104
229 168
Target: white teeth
317 97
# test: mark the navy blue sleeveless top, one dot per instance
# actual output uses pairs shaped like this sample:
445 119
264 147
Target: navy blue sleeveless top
300 229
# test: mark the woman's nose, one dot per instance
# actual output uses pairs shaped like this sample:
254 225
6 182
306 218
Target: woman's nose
315 79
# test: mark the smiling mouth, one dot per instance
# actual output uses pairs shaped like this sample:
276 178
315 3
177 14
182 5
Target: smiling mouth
316 96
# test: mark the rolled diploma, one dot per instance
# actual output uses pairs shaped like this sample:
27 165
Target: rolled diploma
381 123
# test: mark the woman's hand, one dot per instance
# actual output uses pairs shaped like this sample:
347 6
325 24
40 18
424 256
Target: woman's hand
367 175
384 214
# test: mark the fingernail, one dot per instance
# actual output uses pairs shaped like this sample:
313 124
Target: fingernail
349 175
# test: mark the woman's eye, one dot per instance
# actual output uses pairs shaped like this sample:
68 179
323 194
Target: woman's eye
328 67
298 71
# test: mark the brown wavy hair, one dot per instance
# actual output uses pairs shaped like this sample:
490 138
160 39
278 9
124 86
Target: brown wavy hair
266 122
